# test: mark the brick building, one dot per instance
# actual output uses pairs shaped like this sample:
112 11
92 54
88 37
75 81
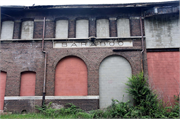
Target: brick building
83 54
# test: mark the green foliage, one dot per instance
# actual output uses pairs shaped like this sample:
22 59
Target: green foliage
98 114
146 105
50 112
146 101
71 109
119 109
83 115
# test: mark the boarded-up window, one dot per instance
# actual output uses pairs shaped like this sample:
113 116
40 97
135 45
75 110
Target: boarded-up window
2 88
164 73
61 29
82 28
102 26
71 77
113 74
162 32
123 27
28 80
7 30
27 30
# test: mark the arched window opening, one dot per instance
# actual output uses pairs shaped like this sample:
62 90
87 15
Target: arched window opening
113 74
28 80
71 77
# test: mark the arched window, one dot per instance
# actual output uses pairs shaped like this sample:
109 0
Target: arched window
61 29
82 28
28 80
102 26
27 30
113 74
71 77
7 30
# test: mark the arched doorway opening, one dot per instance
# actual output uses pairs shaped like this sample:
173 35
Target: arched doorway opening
113 74
71 77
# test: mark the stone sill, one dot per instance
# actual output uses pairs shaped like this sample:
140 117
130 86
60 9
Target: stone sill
49 97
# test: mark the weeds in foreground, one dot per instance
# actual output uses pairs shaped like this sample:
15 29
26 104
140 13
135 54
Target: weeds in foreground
146 105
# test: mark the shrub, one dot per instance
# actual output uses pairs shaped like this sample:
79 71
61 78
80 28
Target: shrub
146 105
97 113
83 115
71 109
146 101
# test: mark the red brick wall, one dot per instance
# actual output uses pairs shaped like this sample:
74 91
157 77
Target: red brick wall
164 73
2 88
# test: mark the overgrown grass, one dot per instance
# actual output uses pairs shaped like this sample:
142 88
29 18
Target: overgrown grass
146 105
34 115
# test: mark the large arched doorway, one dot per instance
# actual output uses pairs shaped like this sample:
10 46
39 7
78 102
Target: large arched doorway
113 74
71 77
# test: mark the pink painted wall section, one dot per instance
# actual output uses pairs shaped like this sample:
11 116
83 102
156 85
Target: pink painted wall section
164 73
28 80
2 88
71 77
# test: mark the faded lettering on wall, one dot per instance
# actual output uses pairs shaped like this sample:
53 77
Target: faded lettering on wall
99 43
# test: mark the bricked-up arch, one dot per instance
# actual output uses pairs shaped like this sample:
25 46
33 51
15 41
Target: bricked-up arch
71 77
2 88
28 80
113 74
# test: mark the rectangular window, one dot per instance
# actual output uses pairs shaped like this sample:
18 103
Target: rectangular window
27 30
61 29
123 27
7 30
102 26
82 29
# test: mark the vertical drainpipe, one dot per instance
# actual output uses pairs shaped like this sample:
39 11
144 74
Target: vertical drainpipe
142 45
45 57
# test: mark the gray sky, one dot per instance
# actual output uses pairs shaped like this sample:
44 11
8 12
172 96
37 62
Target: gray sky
64 2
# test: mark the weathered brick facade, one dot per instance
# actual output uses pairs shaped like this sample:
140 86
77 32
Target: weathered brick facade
19 55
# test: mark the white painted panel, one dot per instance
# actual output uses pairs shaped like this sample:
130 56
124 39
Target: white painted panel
102 26
27 30
7 30
50 97
82 29
113 74
61 29
162 32
99 43
123 27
